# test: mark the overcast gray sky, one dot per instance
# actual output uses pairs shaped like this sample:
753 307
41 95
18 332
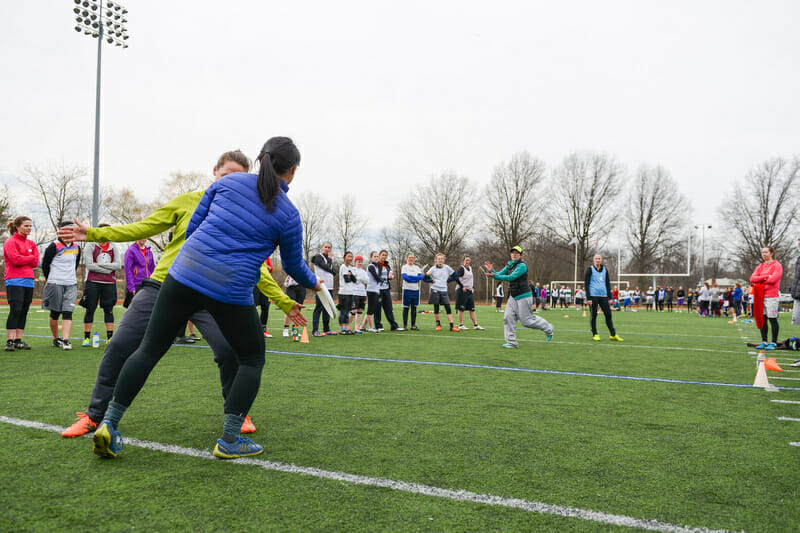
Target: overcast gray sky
380 95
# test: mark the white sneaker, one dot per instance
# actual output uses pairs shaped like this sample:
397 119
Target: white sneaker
478 327
286 333
380 330
400 329
65 345
372 330
462 327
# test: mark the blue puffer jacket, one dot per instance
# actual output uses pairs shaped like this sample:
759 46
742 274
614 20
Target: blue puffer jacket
230 235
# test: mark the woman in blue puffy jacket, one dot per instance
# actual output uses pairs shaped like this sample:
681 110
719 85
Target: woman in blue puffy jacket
239 222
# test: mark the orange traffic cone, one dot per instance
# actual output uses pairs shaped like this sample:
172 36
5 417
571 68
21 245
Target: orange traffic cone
770 364
304 336
584 313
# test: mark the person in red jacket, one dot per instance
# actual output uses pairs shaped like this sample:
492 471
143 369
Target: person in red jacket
768 276
21 256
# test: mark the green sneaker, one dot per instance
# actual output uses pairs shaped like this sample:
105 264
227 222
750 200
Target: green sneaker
86 343
107 440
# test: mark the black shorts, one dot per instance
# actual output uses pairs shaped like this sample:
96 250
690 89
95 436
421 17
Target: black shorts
438 298
373 303
465 301
296 293
359 302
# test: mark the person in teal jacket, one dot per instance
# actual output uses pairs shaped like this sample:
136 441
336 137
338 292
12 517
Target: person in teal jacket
520 301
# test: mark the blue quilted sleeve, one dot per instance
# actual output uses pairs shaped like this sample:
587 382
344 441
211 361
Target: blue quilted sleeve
201 211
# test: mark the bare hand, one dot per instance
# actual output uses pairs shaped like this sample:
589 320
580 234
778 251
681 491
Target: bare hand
296 315
319 285
488 266
391 275
76 232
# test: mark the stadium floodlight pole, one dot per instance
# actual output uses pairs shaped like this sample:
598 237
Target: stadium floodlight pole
702 228
107 22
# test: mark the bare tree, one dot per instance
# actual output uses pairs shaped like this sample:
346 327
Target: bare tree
655 217
183 182
399 242
123 207
511 198
348 225
439 213
585 187
63 191
313 212
5 210
766 210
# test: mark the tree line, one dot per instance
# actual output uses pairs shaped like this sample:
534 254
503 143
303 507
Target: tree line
587 203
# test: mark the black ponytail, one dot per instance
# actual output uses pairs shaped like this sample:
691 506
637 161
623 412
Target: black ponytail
278 156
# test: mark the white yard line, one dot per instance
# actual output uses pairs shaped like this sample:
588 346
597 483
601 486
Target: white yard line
402 486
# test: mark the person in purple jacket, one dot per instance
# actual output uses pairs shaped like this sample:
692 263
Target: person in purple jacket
139 264
239 222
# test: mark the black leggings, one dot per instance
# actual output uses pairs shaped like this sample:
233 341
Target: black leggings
775 328
19 301
106 294
345 303
263 303
447 309
175 304
603 303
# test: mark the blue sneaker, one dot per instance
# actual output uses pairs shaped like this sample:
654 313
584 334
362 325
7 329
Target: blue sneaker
762 346
507 345
243 447
107 440
549 338
770 346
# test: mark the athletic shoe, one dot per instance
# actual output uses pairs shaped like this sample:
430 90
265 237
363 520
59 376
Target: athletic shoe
86 343
65 345
761 346
330 333
317 334
462 327
357 331
81 426
19 344
400 329
507 345
286 333
380 330
243 447
10 346
372 330
248 426
267 334
107 440
478 327
596 338
616 338
414 328
796 363
194 337
184 340
438 327
455 329
57 343
550 338
771 346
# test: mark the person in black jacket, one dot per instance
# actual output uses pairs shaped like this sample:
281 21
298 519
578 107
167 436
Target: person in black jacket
324 269
598 291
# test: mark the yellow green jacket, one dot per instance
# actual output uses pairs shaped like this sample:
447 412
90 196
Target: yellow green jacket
176 214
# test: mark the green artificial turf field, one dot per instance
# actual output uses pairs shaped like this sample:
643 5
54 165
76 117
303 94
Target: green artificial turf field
422 431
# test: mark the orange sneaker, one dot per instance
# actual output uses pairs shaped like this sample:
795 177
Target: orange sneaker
82 426
248 426
438 327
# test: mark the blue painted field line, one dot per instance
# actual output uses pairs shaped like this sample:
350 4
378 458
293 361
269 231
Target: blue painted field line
516 369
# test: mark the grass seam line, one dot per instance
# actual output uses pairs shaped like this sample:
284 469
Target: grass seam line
402 486
517 369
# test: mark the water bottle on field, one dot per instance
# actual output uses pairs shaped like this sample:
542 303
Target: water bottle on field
295 334
95 340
